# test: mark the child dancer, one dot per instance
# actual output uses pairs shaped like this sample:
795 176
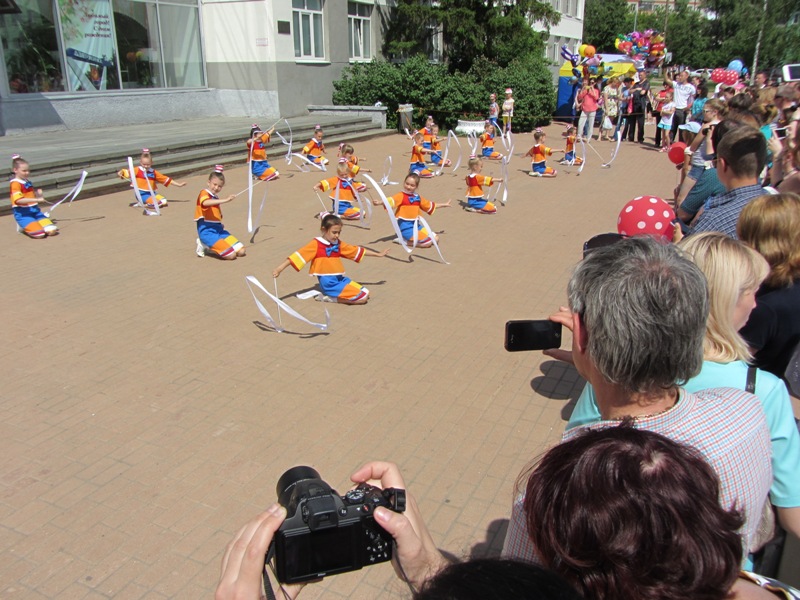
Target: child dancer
665 125
487 142
436 147
315 149
569 152
508 110
325 254
211 233
347 152
147 180
427 133
407 205
347 195
494 111
539 153
257 155
418 152
24 202
475 182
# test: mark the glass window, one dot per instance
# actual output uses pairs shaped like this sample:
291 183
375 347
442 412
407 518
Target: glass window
88 37
30 46
180 34
307 23
359 23
138 44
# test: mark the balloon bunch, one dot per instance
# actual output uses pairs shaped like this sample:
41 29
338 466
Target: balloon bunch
645 48
729 76
586 57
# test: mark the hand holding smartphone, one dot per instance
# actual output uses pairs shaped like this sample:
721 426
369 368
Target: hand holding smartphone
532 335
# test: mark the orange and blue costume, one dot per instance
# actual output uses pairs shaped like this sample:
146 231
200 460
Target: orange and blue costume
147 181
259 166
427 137
475 200
418 162
314 151
353 169
210 230
326 264
347 196
569 152
406 210
436 146
539 154
31 220
487 144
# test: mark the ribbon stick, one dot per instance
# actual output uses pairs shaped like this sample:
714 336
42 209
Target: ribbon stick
71 195
387 171
306 162
616 150
432 234
252 225
252 281
365 209
280 319
139 201
390 213
321 201
583 164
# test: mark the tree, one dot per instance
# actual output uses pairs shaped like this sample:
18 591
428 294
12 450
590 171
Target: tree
499 30
603 21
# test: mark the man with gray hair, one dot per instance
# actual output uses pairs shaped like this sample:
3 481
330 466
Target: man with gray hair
638 310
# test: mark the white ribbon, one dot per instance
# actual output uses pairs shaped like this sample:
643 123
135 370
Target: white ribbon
252 281
71 195
450 135
252 226
285 143
390 212
616 150
583 164
424 223
458 143
387 170
364 207
472 139
306 162
503 184
150 213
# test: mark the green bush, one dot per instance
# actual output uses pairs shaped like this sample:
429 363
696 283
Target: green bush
450 96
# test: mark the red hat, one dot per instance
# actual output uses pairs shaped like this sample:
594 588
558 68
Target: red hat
646 215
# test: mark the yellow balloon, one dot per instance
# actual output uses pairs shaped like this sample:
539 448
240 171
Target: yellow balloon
582 50
616 43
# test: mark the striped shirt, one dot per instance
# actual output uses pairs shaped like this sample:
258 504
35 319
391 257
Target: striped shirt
735 442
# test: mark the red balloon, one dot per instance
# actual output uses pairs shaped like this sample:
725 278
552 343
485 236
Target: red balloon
718 75
731 77
676 152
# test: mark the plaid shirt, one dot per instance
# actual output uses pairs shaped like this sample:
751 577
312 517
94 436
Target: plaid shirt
721 212
727 426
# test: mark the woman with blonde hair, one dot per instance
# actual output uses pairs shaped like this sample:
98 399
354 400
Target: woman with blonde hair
734 272
771 224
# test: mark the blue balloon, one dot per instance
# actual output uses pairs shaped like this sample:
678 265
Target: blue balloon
736 65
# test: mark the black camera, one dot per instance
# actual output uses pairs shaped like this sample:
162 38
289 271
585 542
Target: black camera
325 533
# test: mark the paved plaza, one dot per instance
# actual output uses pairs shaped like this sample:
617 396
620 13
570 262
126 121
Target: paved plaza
148 411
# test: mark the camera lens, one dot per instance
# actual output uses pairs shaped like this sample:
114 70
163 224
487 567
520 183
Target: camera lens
290 479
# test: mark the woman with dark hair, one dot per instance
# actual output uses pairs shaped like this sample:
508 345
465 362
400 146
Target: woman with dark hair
626 513
504 579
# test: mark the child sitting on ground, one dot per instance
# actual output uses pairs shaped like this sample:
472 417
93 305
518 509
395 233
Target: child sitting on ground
147 180
407 205
211 233
257 155
343 186
25 200
325 254
487 142
475 182
314 150
418 152
569 151
539 153
436 147
347 152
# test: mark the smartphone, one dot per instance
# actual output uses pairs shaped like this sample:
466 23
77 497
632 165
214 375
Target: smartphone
791 72
532 335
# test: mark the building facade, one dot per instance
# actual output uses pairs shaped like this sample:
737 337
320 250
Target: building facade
82 63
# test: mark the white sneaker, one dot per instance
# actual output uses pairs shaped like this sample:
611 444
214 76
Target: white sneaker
200 250
324 298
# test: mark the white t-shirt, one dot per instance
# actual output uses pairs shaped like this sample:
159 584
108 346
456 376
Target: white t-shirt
681 92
